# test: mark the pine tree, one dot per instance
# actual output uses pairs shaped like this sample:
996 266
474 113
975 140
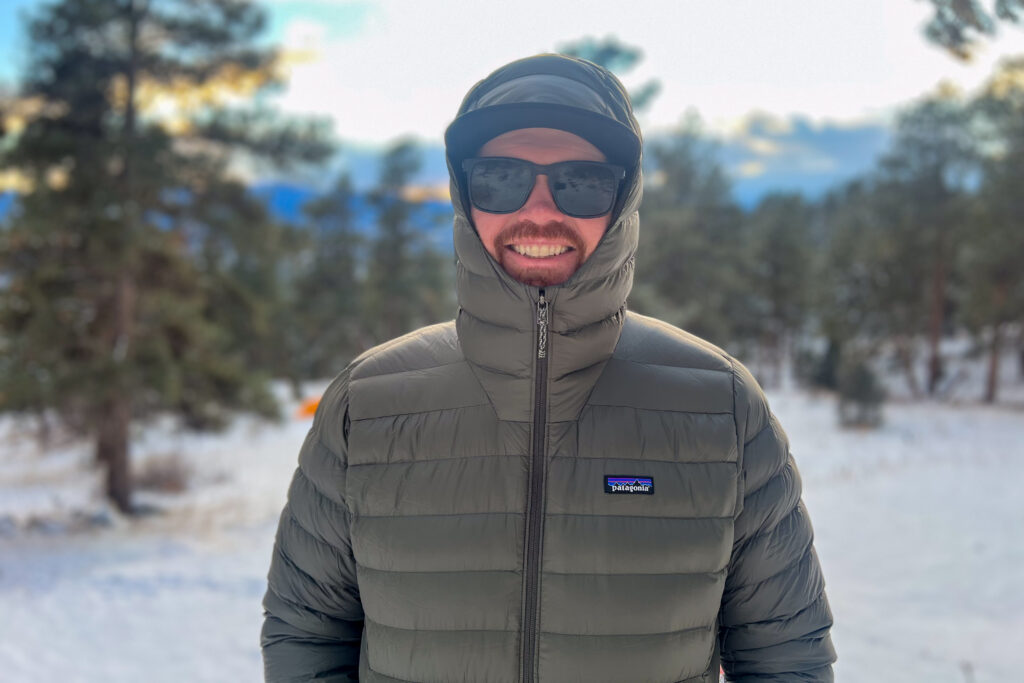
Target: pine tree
618 58
134 243
779 240
326 312
958 25
993 258
925 175
407 282
692 268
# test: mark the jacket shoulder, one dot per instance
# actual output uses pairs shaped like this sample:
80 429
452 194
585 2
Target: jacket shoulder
418 372
650 341
426 347
695 375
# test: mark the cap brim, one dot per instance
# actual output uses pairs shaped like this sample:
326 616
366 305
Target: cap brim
470 131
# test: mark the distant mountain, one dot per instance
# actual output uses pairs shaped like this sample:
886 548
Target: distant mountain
6 202
794 155
286 202
763 155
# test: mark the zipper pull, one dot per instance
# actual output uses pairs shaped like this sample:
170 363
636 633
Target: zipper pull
542 326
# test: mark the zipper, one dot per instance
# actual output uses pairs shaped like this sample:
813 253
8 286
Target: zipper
535 512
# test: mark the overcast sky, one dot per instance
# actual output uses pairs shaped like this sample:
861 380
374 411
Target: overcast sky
388 68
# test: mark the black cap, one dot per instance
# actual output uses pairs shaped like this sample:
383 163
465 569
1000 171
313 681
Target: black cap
548 91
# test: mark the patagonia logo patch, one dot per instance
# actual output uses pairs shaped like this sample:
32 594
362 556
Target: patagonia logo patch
627 483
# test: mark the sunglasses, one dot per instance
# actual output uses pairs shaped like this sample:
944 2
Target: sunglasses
581 189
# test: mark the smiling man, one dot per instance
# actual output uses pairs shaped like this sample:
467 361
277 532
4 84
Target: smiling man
551 488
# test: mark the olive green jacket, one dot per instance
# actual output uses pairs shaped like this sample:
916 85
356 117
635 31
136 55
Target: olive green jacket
456 514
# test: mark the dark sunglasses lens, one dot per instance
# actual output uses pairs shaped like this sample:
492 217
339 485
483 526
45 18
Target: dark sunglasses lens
500 185
584 190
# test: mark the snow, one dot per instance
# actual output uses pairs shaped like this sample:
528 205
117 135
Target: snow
918 529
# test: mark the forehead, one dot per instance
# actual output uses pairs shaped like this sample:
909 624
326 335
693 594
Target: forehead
527 142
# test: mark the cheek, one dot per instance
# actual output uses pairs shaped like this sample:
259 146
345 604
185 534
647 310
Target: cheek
592 230
488 225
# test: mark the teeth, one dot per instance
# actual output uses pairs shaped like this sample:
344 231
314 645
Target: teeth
539 250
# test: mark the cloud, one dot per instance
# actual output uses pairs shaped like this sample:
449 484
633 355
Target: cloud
762 146
305 34
766 153
749 169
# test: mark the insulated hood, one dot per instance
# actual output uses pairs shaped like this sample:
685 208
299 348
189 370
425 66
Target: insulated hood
496 317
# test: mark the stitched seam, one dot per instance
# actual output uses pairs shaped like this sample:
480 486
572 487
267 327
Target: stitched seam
645 460
419 412
717 572
439 571
663 410
629 635
427 460
342 503
674 367
399 372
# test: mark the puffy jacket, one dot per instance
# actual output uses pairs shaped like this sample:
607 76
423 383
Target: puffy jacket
549 489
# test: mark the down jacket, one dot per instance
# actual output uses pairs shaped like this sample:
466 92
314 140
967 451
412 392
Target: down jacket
455 518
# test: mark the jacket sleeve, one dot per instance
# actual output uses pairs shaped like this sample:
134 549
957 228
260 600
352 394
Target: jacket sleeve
313 618
775 618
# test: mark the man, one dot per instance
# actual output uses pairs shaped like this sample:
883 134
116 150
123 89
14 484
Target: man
551 488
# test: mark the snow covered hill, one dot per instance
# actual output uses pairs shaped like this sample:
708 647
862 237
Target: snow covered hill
918 529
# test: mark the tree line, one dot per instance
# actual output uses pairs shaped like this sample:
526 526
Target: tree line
928 243
139 275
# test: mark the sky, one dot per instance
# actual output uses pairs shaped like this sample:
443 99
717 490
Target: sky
799 86
392 68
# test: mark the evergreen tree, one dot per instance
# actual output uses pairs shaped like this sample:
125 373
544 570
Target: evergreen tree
325 321
993 258
125 261
779 240
926 176
957 25
407 281
618 58
871 292
693 270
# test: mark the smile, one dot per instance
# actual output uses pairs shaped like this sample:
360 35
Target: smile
539 250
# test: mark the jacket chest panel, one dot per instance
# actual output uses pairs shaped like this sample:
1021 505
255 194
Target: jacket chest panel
438 504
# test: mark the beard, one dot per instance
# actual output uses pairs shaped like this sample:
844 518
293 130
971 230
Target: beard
542 271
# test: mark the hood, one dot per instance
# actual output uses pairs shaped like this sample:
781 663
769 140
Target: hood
496 321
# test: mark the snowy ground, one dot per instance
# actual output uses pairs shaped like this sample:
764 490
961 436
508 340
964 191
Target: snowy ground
918 525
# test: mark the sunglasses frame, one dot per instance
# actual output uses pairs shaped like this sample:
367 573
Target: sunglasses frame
618 172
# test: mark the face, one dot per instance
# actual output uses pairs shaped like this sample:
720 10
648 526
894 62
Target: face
538 244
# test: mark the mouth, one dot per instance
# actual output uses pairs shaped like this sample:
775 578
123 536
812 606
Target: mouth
539 250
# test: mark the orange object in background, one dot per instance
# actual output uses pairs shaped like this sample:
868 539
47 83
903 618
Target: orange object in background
308 407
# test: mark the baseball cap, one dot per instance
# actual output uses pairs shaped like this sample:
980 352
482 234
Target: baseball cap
548 91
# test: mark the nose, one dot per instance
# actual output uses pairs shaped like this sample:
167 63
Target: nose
540 205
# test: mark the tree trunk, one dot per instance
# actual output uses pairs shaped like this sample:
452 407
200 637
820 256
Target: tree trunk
936 320
995 349
115 416
112 451
1002 293
1020 353
907 363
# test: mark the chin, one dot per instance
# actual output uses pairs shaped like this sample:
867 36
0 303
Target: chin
541 275
535 279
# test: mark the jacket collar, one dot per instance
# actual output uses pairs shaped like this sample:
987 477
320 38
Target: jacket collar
497 322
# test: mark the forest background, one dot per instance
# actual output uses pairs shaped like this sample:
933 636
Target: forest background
146 270
204 217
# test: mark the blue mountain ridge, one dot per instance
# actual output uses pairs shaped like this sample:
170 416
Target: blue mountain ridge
766 155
